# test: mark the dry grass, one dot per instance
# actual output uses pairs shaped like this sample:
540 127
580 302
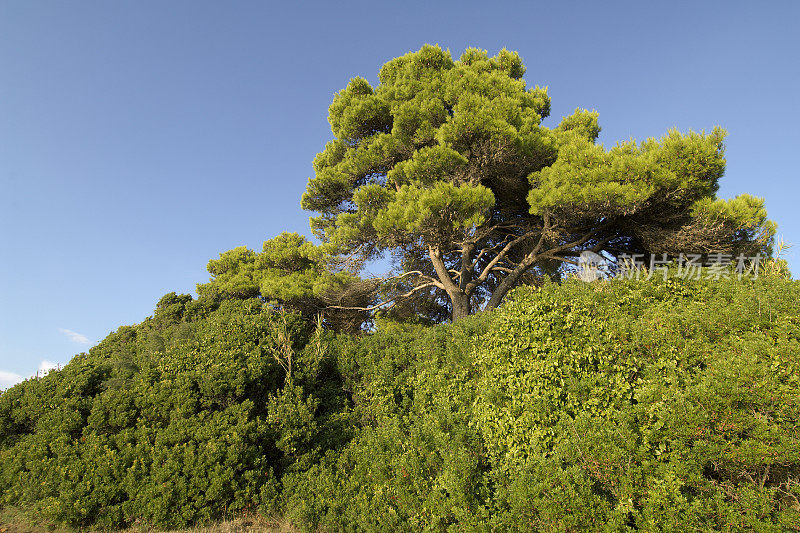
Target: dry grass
15 521
256 524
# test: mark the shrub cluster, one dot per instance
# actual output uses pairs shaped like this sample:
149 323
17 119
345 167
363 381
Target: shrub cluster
659 405
185 417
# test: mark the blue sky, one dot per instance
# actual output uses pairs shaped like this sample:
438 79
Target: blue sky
140 139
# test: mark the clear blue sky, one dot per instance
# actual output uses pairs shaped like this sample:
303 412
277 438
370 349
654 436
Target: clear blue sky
140 139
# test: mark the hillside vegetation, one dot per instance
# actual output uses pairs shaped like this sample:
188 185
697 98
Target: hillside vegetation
656 405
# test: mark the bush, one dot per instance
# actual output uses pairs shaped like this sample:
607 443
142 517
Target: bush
658 405
668 406
415 462
169 422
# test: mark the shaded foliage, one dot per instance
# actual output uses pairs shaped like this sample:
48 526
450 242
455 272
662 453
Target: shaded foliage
180 419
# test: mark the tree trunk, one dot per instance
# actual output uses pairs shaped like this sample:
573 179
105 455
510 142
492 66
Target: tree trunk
459 299
460 303
509 283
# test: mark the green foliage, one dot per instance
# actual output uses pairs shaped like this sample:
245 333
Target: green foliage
550 353
447 165
656 405
417 129
290 272
416 463
169 422
416 209
618 405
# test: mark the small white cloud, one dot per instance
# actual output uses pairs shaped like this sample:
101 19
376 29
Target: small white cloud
75 337
9 379
46 366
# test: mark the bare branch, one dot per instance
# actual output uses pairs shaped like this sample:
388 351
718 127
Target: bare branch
504 252
565 259
390 302
485 250
532 257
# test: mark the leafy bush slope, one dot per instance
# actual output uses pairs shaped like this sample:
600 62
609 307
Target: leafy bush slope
169 422
624 405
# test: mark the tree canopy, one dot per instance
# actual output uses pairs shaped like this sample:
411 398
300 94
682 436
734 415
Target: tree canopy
290 272
445 164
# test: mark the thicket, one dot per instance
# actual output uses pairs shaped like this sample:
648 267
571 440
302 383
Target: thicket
657 405
187 416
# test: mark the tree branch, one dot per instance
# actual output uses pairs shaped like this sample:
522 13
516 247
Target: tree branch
442 272
390 302
531 258
507 248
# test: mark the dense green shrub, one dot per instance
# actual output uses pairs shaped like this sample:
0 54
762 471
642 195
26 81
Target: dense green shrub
416 462
660 405
169 422
655 405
